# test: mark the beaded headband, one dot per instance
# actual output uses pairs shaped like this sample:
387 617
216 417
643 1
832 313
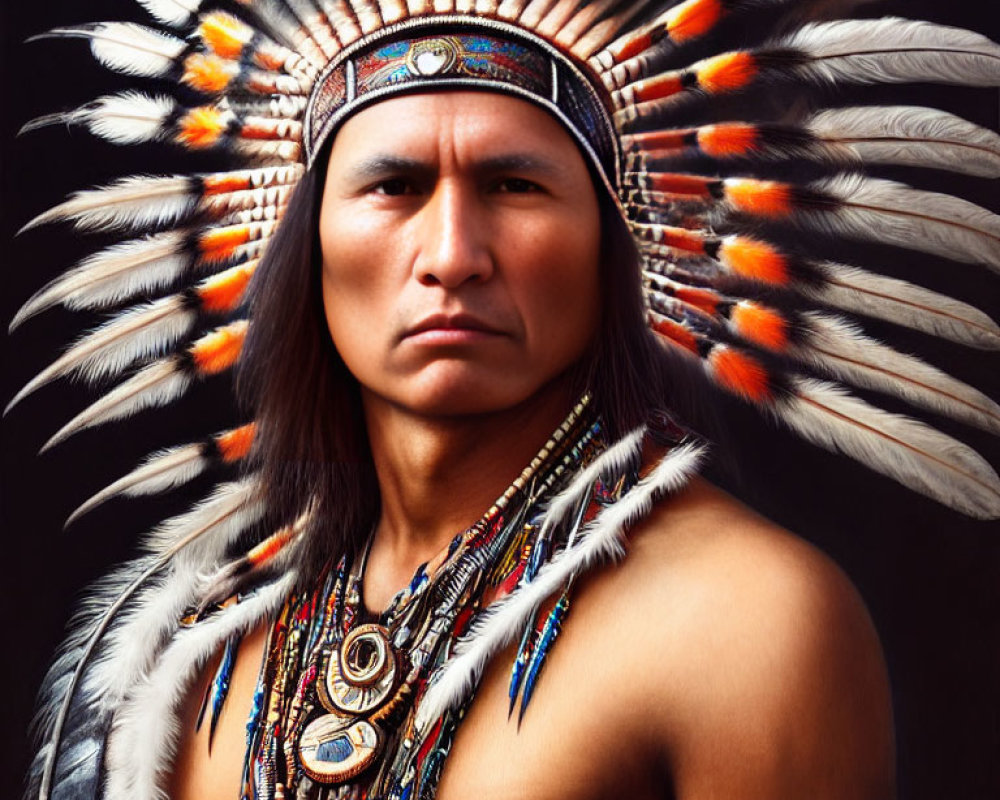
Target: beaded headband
462 52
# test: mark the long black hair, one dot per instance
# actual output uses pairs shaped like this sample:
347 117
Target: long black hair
312 447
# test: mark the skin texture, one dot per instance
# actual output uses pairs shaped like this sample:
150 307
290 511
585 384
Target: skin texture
723 658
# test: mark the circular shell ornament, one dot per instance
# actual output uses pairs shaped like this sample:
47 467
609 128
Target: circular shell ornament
361 673
333 749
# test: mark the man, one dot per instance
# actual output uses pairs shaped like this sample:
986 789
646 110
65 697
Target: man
724 657
470 301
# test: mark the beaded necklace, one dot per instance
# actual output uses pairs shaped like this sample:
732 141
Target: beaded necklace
334 712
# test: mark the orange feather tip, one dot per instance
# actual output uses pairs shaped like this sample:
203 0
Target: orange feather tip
235 444
658 88
224 35
728 140
740 374
760 198
225 183
760 324
727 72
219 350
219 245
208 73
692 19
271 546
754 259
691 185
201 127
704 299
675 333
223 292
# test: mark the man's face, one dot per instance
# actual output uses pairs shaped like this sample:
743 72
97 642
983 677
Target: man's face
460 235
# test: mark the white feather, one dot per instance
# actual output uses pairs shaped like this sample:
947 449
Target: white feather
626 450
199 540
129 48
843 350
903 303
894 50
171 12
140 332
143 740
894 213
126 118
599 541
136 202
155 385
159 472
910 135
908 451
113 274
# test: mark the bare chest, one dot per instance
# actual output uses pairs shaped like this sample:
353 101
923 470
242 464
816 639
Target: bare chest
569 745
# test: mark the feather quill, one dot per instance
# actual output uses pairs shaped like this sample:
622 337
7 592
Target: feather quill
118 272
140 332
127 47
908 451
843 350
894 213
921 137
894 50
902 303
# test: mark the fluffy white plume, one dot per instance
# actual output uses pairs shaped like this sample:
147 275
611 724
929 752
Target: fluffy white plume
599 541
903 303
129 48
894 50
113 274
159 472
171 12
908 451
155 385
198 541
922 137
894 213
626 450
843 350
136 202
125 118
140 332
143 740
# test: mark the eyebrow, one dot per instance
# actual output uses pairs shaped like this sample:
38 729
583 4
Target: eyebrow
383 164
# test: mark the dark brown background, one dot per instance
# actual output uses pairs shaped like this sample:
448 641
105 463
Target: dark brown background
929 576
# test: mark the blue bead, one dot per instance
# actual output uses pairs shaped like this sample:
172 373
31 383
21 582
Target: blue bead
335 750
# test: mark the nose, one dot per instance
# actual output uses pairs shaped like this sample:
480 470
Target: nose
453 247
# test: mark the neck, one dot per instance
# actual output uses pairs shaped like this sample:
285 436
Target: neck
438 475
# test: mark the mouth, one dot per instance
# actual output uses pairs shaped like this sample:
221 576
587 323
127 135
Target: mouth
451 329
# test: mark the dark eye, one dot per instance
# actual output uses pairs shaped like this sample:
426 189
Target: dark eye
517 186
393 187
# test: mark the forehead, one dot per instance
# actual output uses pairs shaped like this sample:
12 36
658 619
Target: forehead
465 124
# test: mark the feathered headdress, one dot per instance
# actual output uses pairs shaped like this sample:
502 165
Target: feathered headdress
738 258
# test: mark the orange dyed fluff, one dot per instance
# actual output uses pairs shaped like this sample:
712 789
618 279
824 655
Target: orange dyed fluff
224 34
761 198
676 334
219 349
754 259
693 18
759 324
219 244
739 374
729 139
223 292
235 444
201 127
727 72
208 73
680 184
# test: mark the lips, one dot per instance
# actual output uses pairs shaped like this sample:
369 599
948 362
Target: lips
454 324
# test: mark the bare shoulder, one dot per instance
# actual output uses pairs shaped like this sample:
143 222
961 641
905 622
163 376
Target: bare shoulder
758 660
